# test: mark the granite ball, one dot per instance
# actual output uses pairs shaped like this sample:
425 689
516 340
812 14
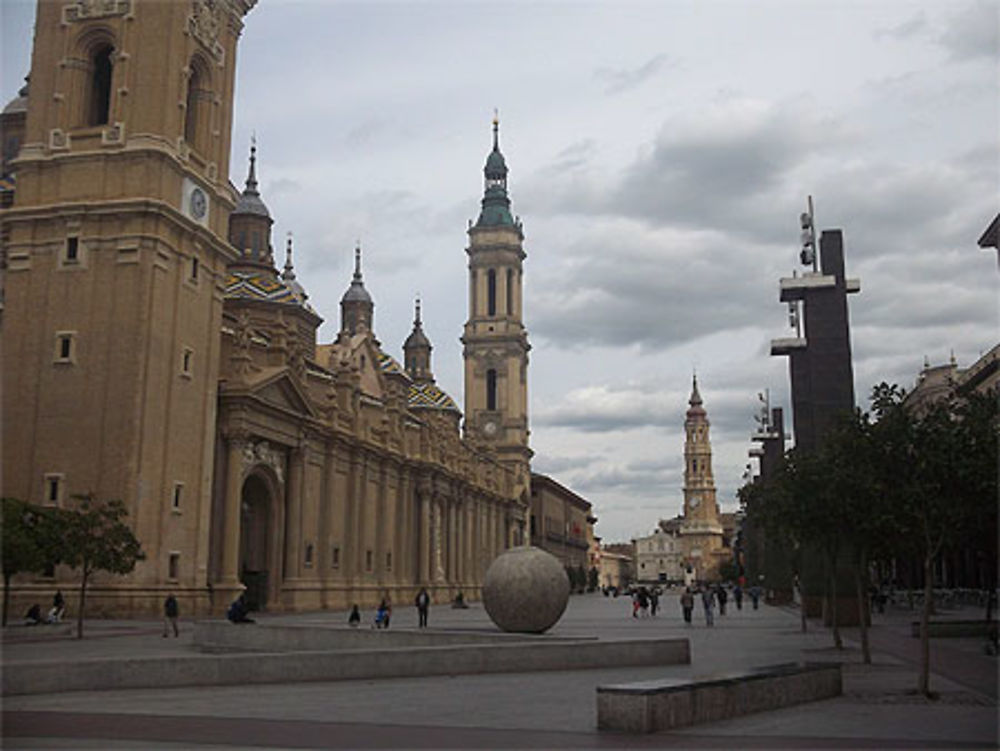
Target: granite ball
525 590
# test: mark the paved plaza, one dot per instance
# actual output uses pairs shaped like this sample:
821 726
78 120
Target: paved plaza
520 710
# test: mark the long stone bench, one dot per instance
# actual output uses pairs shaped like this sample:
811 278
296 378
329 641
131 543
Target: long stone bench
648 706
39 677
956 629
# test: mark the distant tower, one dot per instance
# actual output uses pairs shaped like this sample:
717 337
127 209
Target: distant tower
701 512
357 311
417 352
496 342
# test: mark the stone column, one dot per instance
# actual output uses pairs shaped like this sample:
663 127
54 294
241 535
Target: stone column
293 519
452 546
229 574
424 536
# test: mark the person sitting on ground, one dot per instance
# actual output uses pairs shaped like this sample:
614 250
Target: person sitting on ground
55 615
459 602
238 611
34 615
355 617
381 616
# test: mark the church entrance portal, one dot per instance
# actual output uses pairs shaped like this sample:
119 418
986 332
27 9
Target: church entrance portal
255 508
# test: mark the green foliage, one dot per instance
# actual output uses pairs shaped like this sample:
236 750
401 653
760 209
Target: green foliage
729 570
31 535
96 538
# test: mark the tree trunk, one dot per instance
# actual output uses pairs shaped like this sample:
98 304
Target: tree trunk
802 605
837 641
6 596
863 601
83 600
924 681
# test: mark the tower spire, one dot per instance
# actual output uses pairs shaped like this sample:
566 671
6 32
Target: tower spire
251 184
496 130
289 273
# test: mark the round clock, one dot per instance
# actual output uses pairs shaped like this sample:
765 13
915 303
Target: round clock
490 428
198 203
695 500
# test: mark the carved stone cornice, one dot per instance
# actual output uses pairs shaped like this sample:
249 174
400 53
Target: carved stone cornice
88 10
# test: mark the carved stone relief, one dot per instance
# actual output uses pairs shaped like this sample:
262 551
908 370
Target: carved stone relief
264 453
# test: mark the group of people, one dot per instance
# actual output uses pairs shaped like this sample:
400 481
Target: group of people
645 602
383 613
712 595
55 615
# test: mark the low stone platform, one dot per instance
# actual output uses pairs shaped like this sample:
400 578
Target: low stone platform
223 636
956 629
504 654
648 706
19 632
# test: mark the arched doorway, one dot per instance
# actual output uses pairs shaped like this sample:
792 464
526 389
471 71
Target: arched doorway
255 507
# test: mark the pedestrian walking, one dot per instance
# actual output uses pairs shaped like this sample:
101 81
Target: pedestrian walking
355 617
722 596
423 603
708 601
170 613
687 604
654 601
738 596
754 595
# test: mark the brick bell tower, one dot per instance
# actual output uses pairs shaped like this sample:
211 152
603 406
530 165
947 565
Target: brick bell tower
117 249
495 339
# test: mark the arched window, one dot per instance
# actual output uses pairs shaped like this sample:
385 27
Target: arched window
100 86
491 292
510 292
491 389
196 112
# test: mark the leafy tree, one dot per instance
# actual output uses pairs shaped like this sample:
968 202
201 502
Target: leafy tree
97 538
29 537
729 570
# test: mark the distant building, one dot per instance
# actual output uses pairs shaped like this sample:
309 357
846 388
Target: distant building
561 522
617 565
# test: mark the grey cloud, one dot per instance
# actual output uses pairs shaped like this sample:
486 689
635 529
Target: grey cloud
618 80
973 32
905 30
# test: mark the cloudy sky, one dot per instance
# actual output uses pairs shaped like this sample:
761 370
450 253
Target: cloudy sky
660 154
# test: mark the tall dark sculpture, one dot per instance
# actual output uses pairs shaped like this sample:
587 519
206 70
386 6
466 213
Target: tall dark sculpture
822 376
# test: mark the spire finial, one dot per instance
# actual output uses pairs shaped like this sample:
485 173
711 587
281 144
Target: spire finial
289 270
252 175
496 129
357 261
416 315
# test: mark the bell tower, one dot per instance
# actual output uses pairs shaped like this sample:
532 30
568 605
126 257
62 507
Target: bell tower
496 342
701 512
117 250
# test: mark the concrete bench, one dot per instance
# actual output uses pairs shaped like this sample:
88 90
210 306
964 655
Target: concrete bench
956 629
648 706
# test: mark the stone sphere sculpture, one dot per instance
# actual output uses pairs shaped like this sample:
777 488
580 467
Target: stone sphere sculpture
525 590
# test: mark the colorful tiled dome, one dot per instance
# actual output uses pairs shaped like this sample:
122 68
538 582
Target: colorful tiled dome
429 396
387 364
251 285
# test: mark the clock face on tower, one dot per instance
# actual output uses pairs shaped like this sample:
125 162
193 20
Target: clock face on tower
198 203
490 428
695 500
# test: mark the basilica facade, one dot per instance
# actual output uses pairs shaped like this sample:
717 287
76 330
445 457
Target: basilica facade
155 353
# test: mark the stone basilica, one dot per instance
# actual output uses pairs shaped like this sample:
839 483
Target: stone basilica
154 353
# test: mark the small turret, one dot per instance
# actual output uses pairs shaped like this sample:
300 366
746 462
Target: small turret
357 311
417 352
250 223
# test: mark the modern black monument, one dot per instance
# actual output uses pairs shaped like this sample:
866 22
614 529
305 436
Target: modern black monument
822 376
763 563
